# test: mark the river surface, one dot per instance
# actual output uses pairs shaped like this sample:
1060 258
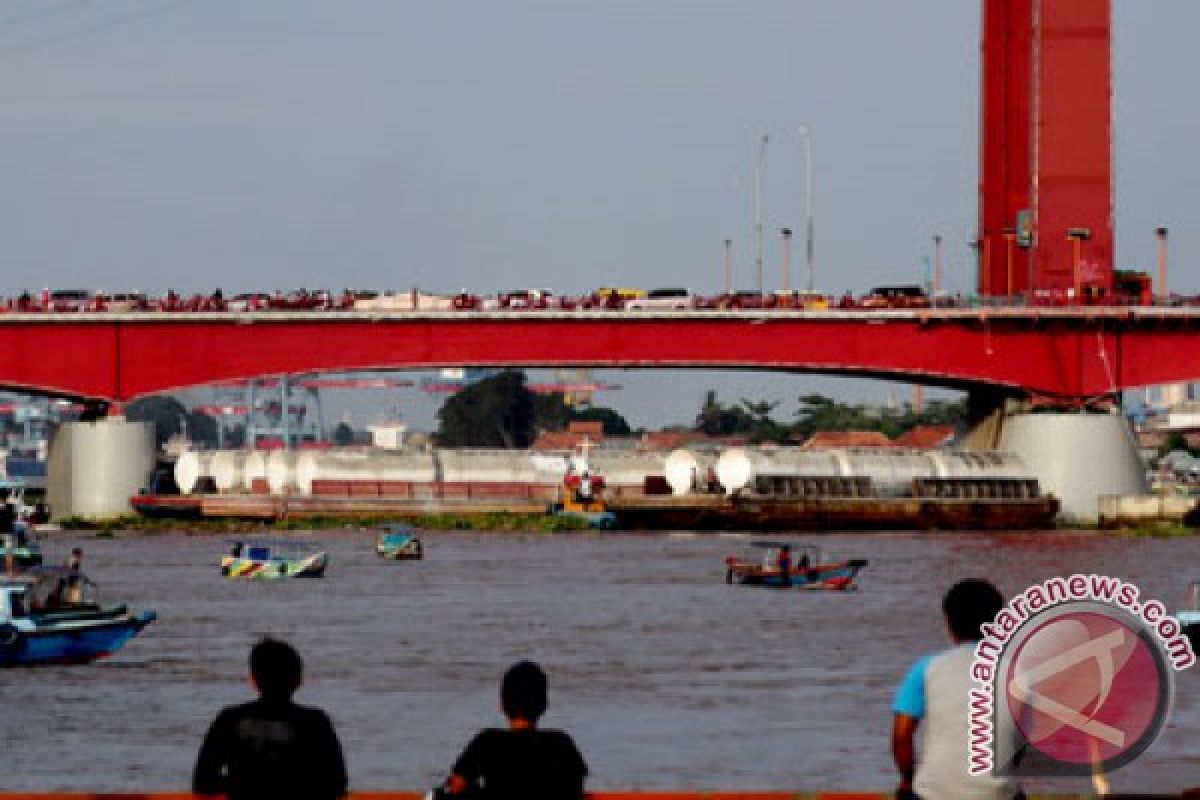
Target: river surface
665 676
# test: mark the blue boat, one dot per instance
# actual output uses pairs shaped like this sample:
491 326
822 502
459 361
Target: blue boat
811 571
399 542
50 616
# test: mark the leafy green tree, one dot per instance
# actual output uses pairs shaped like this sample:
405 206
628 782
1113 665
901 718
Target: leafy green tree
552 413
749 418
169 417
495 412
614 424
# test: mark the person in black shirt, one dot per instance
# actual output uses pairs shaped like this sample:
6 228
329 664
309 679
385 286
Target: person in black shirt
522 762
271 748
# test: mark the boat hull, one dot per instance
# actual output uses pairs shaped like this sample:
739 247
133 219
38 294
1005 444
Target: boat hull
275 568
68 641
832 577
719 512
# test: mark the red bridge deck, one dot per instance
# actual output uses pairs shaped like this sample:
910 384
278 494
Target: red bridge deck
1069 352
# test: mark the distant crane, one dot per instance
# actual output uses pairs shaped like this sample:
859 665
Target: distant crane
284 419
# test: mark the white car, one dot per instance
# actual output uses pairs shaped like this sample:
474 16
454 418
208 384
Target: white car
663 300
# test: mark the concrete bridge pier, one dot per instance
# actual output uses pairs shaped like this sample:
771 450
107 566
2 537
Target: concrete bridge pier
1077 456
96 465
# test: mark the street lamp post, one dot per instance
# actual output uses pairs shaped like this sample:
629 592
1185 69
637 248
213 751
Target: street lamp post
728 266
1077 237
758 223
937 264
806 141
1163 293
786 233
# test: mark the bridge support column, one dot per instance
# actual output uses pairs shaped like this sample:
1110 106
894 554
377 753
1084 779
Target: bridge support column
1076 456
96 466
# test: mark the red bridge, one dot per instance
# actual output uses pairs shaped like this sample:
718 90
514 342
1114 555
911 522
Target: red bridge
1072 353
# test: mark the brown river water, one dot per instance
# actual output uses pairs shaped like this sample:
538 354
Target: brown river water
665 676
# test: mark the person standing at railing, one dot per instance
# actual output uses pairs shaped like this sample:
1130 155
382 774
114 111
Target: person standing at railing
271 748
522 762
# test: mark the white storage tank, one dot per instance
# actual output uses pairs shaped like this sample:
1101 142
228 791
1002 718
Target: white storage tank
254 468
191 467
225 467
281 471
362 465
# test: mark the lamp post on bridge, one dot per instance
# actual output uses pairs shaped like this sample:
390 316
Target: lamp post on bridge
786 233
728 266
806 142
758 223
937 263
1077 236
1163 292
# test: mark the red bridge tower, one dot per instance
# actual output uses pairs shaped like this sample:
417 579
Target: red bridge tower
1045 193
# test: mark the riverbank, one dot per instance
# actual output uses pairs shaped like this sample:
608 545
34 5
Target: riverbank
498 521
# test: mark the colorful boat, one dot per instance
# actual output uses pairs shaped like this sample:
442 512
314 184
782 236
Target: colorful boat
267 562
808 569
399 542
581 496
51 616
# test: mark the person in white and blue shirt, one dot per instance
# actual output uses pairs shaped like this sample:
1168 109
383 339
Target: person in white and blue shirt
934 695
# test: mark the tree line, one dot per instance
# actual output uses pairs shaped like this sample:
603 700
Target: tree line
501 411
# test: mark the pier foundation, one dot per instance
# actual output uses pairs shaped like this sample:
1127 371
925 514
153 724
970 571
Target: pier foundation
1077 456
96 466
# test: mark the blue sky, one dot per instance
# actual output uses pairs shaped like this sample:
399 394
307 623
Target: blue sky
381 143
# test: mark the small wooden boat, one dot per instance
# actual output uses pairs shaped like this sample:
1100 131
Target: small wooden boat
1189 618
267 561
399 542
808 569
51 616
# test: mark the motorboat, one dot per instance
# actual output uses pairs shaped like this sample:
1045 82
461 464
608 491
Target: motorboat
809 569
272 561
581 495
51 615
399 542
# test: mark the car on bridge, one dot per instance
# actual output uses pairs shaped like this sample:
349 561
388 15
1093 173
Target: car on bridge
672 299
806 299
525 298
68 300
249 301
120 302
906 296
740 299
613 298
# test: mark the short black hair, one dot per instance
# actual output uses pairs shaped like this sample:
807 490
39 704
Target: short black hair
968 605
276 667
523 691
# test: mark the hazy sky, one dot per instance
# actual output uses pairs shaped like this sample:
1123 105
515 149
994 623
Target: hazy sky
490 145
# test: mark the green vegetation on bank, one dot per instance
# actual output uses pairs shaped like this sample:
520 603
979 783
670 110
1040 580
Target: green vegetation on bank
490 521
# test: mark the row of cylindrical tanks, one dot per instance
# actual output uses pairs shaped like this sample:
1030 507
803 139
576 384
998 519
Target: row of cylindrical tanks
309 472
